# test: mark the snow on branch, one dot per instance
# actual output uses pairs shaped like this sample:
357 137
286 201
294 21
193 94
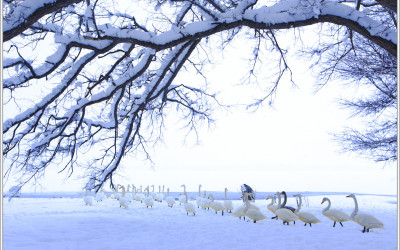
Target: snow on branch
29 12
113 73
283 15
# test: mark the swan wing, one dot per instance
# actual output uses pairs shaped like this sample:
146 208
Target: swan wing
124 202
228 204
255 214
337 215
170 200
252 206
285 214
272 208
368 221
149 201
217 206
308 217
189 207
238 212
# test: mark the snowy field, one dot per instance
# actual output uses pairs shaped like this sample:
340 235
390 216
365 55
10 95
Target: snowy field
44 222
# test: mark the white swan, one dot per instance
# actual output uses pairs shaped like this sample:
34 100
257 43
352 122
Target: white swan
152 193
123 200
365 220
160 196
117 195
239 211
333 214
182 197
277 194
251 206
163 193
148 200
271 207
170 200
112 195
206 202
199 199
100 196
140 196
134 193
228 203
189 207
253 214
305 217
127 194
216 205
88 199
285 214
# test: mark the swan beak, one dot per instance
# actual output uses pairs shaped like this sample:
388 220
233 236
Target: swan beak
322 201
348 195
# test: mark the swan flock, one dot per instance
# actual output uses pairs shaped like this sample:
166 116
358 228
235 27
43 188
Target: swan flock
248 209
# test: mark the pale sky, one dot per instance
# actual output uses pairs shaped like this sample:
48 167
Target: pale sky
287 147
284 147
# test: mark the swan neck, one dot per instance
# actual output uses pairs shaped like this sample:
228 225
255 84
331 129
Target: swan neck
123 191
272 200
279 199
284 199
299 204
226 196
167 191
355 211
246 202
329 205
186 199
199 190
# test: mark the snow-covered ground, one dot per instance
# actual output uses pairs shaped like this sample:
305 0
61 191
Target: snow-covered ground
44 222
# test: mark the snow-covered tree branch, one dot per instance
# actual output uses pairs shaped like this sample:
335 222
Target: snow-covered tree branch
106 69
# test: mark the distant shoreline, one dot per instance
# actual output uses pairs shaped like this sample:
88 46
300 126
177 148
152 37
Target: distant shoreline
219 195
